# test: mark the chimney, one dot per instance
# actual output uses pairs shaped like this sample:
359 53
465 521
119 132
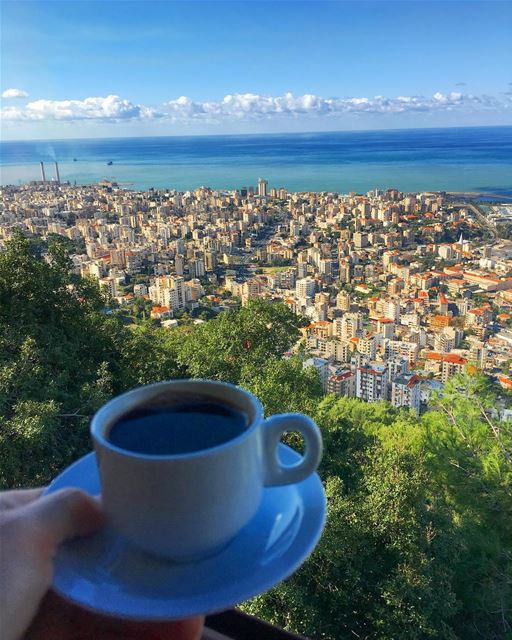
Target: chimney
43 177
57 172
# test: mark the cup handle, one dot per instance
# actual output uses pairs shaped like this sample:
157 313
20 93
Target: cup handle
273 429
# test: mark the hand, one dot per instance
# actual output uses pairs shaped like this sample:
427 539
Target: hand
31 529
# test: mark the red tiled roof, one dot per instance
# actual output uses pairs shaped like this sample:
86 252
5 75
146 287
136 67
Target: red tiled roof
341 376
413 381
454 358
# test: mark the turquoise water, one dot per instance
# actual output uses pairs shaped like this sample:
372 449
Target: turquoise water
466 159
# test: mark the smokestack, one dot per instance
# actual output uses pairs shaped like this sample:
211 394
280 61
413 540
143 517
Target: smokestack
57 172
43 177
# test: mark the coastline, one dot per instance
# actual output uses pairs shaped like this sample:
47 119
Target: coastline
455 160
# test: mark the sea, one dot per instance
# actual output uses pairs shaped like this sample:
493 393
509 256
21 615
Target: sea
474 160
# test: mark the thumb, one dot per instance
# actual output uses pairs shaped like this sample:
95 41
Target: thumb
63 515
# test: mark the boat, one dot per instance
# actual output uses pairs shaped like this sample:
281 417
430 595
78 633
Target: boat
110 162
74 159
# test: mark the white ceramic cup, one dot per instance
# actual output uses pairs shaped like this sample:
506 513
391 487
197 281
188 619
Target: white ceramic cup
188 506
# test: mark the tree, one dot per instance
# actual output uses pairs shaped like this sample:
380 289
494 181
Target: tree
57 361
283 386
470 454
221 348
151 354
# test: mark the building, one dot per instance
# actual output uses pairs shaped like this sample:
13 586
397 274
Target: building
322 367
406 392
368 347
305 288
339 350
360 240
342 384
478 352
250 289
452 365
399 348
196 268
386 327
210 260
262 187
168 291
348 326
372 383
343 301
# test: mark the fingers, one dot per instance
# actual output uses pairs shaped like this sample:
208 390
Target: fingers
61 516
18 498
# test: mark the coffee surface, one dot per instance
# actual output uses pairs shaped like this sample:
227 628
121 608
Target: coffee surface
179 429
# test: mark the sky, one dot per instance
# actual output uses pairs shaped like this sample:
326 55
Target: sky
107 68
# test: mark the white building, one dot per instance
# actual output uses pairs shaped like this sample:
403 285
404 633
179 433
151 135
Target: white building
305 288
322 367
406 392
348 326
262 187
372 382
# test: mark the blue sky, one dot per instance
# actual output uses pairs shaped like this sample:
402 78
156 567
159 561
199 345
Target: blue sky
117 68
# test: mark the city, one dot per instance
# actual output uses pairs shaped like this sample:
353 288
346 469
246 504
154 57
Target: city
256 320
399 291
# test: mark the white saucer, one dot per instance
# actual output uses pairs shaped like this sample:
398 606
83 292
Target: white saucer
104 574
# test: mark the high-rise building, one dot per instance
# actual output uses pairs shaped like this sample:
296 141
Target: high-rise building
210 260
348 326
305 288
179 264
343 301
386 327
360 240
372 383
452 365
478 352
197 268
302 269
262 187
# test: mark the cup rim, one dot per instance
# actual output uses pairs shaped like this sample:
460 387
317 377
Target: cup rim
116 407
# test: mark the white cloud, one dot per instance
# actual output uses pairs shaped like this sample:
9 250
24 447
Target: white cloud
248 106
14 93
251 106
109 108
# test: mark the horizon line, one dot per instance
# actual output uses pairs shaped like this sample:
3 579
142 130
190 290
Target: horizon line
274 133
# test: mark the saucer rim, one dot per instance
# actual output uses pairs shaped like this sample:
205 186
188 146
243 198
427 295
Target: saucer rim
320 507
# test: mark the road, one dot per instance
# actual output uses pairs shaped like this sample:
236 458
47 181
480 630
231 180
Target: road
482 219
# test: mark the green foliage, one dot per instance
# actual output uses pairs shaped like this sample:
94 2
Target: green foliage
56 349
150 354
418 537
283 386
141 309
234 340
470 454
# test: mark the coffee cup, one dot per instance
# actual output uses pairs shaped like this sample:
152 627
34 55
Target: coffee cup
189 502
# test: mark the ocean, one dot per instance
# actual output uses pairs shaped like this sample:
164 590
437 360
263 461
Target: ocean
477 159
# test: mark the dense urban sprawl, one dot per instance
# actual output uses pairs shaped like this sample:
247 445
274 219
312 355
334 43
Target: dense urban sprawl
400 291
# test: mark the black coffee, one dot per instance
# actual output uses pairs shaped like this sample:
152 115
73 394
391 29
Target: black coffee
182 428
